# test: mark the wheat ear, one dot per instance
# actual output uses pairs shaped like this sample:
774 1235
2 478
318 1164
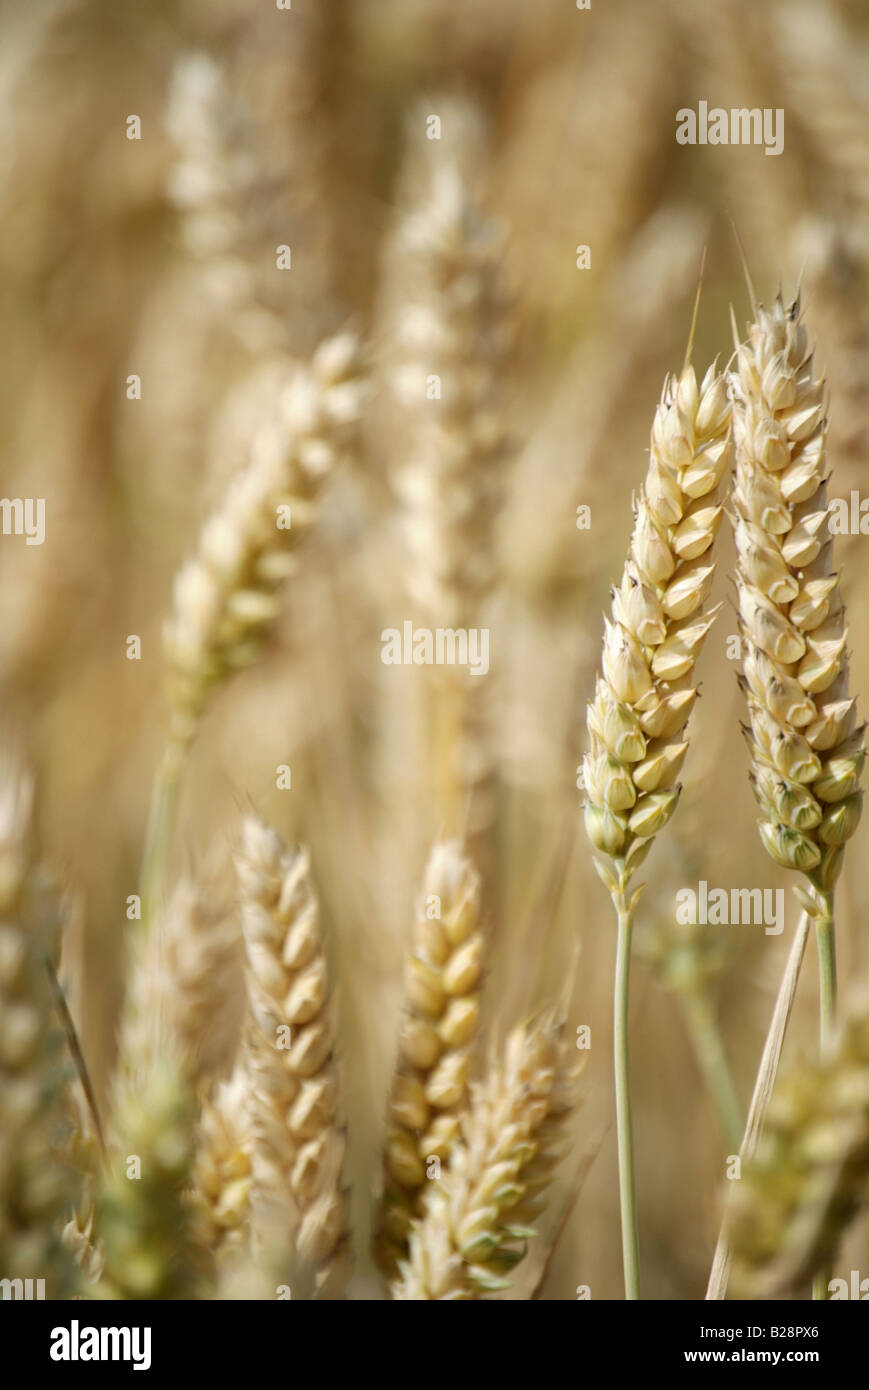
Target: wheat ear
806 748
297 1142
36 1183
481 1210
182 986
143 1220
226 597
441 1015
644 695
453 328
808 1177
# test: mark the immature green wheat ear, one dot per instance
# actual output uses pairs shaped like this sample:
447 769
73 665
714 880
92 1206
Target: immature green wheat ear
809 1176
806 747
142 1217
479 1214
647 689
36 1183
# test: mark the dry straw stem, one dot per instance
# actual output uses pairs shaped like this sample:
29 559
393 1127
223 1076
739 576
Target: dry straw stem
222 1168
763 1089
481 1211
809 1175
298 1141
453 332
438 1028
143 1219
36 1184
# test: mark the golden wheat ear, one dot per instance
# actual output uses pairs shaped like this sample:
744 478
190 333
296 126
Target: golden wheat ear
439 1025
297 1140
806 746
482 1209
226 597
659 620
647 686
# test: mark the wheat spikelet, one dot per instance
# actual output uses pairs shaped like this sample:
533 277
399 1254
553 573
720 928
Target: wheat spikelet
810 1173
82 1153
441 1015
297 1142
646 691
495 1184
806 749
222 1168
226 596
36 1184
143 1220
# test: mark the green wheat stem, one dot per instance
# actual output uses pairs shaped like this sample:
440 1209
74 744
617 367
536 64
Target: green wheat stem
161 823
712 1060
826 939
624 1121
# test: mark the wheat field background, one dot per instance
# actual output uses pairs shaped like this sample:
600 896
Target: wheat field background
157 258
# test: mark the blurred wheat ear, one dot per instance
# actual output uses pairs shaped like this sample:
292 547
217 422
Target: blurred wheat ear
297 1139
452 325
479 1213
441 1015
37 1181
226 596
808 1177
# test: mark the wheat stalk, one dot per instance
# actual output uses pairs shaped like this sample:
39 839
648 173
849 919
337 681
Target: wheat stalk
481 1210
646 690
440 1020
297 1142
809 1174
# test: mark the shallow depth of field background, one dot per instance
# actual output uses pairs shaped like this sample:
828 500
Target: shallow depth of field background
96 283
